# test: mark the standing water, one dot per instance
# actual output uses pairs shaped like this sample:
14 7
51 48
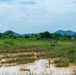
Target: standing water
39 67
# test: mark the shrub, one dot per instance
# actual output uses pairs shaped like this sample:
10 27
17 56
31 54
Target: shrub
61 62
8 42
74 72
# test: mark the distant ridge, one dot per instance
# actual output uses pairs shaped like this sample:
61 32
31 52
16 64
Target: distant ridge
18 34
69 32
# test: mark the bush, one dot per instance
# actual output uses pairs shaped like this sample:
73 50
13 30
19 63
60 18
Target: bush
74 72
62 62
8 42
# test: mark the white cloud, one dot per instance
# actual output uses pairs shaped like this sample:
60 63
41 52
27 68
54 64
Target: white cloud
34 13
51 6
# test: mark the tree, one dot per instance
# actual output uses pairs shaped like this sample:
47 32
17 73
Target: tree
41 35
65 37
34 36
26 36
56 36
0 35
45 34
74 36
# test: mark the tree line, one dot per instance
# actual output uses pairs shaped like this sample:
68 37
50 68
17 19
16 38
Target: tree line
42 35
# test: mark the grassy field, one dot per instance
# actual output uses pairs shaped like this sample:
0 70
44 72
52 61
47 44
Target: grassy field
22 51
27 45
65 50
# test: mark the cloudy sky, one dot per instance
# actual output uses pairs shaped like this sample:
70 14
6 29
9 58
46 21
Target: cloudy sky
32 16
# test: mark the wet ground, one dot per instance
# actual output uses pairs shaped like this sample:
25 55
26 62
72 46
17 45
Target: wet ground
39 67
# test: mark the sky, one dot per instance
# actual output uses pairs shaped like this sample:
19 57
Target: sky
34 16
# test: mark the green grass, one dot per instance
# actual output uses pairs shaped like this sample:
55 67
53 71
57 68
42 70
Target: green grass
64 49
23 42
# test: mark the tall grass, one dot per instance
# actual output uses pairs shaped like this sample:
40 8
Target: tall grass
64 49
16 44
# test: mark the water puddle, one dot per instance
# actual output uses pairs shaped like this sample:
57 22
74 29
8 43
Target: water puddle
39 67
